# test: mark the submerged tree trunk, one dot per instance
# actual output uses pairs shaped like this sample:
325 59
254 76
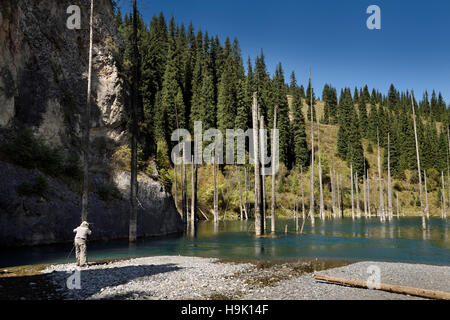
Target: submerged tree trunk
368 194
303 194
365 193
322 209
194 192
338 195
259 223
391 213
134 132
175 183
185 201
272 227
358 211
216 205
444 209
427 208
241 197
311 205
246 192
380 179
424 224
351 184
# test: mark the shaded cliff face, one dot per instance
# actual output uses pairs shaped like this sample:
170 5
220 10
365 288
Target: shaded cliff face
43 87
43 74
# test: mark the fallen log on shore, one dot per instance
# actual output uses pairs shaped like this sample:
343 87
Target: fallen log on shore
424 293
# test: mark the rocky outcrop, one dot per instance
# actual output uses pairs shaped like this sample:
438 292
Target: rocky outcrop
51 217
43 87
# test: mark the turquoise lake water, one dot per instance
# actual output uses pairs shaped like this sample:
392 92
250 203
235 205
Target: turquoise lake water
401 240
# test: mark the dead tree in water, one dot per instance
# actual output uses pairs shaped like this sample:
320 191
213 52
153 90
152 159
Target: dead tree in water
358 211
351 184
398 206
365 190
303 194
368 194
134 129
444 211
216 195
87 127
322 209
272 229
391 213
263 180
194 191
175 183
339 195
427 208
259 223
246 185
380 179
311 205
424 224
241 198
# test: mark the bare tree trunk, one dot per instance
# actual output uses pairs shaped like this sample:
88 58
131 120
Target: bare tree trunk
338 195
259 223
216 205
311 206
342 196
322 210
176 187
380 179
296 209
263 180
427 208
134 133
303 194
368 194
444 211
194 192
358 211
246 193
274 173
365 194
241 198
424 224
351 184
398 206
185 205
87 126
448 166
389 180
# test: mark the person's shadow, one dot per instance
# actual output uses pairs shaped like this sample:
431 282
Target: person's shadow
80 284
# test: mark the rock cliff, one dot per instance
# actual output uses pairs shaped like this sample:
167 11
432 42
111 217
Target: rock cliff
43 87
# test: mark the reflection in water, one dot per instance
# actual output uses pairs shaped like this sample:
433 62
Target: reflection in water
363 239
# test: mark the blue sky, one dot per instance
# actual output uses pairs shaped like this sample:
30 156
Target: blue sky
412 49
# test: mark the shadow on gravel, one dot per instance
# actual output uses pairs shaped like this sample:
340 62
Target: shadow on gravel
92 281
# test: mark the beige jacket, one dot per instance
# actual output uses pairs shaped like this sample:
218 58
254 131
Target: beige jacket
82 233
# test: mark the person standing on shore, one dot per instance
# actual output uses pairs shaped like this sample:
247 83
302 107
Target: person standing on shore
82 232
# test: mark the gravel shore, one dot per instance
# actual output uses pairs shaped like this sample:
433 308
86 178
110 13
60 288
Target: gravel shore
192 278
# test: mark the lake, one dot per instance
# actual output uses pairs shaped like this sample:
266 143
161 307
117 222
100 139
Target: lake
365 239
